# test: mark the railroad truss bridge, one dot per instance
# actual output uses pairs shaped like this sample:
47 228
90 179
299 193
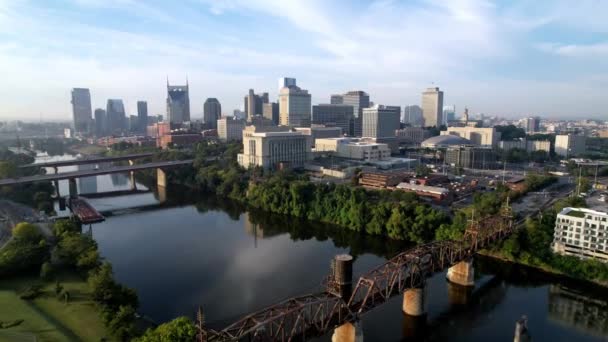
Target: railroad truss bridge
299 318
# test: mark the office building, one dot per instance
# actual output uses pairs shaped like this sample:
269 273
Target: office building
294 107
477 135
271 111
254 103
133 123
158 129
531 124
538 145
333 115
81 109
142 116
101 122
320 132
359 100
354 148
178 104
415 135
471 157
212 111
412 115
116 117
286 82
179 139
230 129
509 145
381 121
274 148
449 114
260 121
569 145
336 99
581 232
432 107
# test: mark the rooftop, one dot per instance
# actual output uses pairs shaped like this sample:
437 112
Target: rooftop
445 141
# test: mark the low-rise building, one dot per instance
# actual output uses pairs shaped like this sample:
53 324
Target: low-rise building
179 139
538 145
581 232
477 135
470 157
230 129
274 147
381 179
414 135
320 132
158 129
434 192
569 145
354 148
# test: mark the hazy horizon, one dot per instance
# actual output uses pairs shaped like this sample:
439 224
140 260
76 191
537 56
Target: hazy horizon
510 59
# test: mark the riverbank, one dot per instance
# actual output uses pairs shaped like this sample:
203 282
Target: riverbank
497 255
47 317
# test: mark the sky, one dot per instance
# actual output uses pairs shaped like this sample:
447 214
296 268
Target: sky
509 58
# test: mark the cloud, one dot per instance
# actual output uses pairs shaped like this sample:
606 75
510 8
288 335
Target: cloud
576 50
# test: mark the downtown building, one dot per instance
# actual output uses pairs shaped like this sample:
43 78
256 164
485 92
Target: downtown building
178 104
101 123
115 117
482 136
254 103
274 148
271 112
212 112
381 121
333 115
569 145
294 107
142 116
581 232
412 115
81 110
358 99
432 107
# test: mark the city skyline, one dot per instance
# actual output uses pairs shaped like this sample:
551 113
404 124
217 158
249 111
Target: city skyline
513 60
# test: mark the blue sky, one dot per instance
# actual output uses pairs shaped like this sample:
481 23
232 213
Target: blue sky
508 58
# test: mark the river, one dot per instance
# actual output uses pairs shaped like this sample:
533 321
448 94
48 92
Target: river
194 250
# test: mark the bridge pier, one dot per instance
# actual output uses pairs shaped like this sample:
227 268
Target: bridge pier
73 188
56 169
414 301
343 274
161 183
347 332
132 181
462 273
56 185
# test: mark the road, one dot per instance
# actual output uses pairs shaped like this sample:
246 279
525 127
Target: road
12 213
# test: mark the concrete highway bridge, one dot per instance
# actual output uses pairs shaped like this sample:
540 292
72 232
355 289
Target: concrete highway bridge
340 304
72 176
93 160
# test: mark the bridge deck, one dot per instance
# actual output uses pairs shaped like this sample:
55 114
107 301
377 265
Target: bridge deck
93 160
88 173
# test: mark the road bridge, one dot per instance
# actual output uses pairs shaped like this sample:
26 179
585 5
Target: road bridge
92 160
72 176
339 304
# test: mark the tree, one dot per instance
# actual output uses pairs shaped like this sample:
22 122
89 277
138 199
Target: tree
63 226
46 270
26 232
8 169
180 329
122 323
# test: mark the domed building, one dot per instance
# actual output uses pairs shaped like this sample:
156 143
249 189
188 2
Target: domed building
445 141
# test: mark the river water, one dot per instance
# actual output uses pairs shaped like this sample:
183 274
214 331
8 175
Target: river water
194 250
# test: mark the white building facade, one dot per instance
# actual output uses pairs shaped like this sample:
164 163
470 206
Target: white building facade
230 129
581 232
270 148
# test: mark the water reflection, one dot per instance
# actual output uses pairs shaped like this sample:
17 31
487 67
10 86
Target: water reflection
579 310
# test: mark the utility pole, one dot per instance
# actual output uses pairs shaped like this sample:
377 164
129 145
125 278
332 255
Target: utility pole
578 185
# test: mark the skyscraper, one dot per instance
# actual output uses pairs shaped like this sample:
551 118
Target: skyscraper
116 118
532 124
178 104
381 121
101 122
286 82
449 113
359 100
212 111
271 111
432 107
254 103
413 115
294 107
81 109
333 115
142 116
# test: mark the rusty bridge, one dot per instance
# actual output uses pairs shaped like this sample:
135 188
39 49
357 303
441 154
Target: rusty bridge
312 315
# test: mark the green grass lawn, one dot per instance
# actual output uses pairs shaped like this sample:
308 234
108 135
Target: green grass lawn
48 318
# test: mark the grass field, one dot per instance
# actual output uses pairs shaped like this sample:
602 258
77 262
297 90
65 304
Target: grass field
46 317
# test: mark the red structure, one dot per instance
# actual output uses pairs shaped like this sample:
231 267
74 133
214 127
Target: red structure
84 211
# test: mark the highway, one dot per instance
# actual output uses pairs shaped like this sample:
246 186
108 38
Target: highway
88 173
95 160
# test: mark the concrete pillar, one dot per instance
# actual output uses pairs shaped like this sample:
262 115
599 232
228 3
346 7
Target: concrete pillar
458 294
344 333
414 302
131 162
73 188
56 185
343 274
462 273
161 177
162 194
56 169
132 180
521 331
